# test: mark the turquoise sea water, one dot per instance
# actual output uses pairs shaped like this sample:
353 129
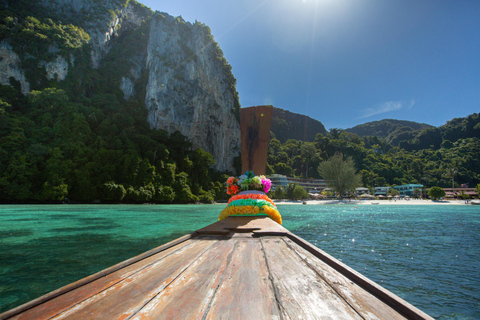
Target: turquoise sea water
428 255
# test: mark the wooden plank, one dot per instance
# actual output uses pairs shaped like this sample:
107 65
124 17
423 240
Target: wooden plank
246 291
56 301
401 306
362 301
126 297
300 292
241 275
260 225
189 296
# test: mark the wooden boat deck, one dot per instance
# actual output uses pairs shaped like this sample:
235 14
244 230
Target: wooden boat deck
237 268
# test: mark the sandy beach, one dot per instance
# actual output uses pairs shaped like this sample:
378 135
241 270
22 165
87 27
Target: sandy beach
415 202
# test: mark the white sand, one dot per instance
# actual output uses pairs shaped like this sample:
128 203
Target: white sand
379 202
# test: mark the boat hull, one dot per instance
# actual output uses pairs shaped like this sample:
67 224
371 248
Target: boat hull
237 268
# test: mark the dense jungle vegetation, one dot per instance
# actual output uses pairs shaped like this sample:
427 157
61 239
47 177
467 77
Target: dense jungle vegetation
424 158
95 148
79 139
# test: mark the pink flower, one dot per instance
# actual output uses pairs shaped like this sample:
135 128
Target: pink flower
266 184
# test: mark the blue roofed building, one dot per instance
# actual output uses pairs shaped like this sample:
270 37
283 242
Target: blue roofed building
407 189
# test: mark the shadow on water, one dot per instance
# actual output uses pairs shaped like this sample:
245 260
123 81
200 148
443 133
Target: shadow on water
24 219
94 219
83 228
62 216
15 233
33 269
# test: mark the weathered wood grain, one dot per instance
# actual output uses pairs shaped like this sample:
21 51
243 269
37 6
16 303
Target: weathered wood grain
189 295
246 291
126 297
301 293
388 298
237 268
367 305
260 225
59 300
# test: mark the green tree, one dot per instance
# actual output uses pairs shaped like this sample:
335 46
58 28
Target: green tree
113 191
380 182
436 193
289 190
164 194
328 193
282 168
278 193
183 193
463 196
206 196
339 174
451 173
368 178
202 161
393 192
307 153
300 193
55 192
15 182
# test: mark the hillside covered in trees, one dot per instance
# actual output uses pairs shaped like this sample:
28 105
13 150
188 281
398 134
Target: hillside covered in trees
423 158
288 125
68 131
391 130
75 136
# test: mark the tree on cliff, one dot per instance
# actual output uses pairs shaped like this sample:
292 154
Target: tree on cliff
339 174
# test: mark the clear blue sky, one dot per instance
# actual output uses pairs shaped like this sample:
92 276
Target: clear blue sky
347 62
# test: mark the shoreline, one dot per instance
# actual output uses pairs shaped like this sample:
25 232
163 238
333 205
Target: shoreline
375 202
285 202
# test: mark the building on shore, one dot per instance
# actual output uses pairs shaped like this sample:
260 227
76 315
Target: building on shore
278 180
311 185
455 192
361 190
407 189
381 191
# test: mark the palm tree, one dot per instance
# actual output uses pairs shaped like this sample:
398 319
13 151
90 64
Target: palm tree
450 173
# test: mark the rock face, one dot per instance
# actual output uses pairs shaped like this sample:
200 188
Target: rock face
112 18
10 67
57 69
188 90
189 87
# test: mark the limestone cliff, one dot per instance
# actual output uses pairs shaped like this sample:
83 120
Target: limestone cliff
103 20
188 89
178 71
10 67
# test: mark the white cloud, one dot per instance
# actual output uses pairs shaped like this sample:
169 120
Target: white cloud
385 107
